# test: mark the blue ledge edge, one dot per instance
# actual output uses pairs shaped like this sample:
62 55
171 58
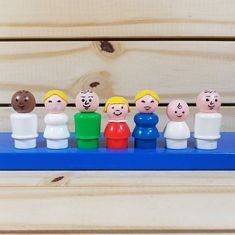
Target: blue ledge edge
160 158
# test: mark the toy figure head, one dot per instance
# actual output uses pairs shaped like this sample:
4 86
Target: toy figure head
87 101
55 101
117 108
208 101
23 101
177 110
147 101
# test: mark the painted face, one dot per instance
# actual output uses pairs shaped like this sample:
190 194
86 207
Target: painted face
117 111
55 104
87 101
146 104
208 101
23 101
177 110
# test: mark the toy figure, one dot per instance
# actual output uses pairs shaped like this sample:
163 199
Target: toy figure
24 122
177 131
87 122
145 132
208 120
117 131
56 131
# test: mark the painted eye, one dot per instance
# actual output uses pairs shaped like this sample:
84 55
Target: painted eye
207 100
216 100
152 101
142 101
17 99
175 111
26 98
50 101
122 107
58 101
83 100
90 100
183 112
112 107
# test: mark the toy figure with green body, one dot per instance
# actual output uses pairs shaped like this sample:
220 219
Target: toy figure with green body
87 121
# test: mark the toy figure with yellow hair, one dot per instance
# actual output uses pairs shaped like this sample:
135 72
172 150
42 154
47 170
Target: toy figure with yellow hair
87 121
145 132
117 131
56 131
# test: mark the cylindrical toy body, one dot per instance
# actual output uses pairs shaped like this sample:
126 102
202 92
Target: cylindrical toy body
207 130
24 129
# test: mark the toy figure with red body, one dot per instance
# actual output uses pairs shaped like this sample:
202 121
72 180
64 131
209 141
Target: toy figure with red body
117 131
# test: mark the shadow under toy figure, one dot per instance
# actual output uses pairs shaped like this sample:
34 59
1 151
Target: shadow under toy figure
56 131
117 131
177 131
24 122
208 120
87 122
145 132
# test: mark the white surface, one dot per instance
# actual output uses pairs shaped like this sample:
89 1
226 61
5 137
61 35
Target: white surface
25 144
176 134
176 144
206 144
24 129
56 126
57 144
207 130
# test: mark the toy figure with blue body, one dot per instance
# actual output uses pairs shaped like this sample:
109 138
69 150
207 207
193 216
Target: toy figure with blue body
145 132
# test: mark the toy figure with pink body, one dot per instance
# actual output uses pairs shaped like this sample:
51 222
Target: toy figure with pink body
56 131
117 131
208 121
177 131
145 132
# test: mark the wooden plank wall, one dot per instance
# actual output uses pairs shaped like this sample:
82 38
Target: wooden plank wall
117 47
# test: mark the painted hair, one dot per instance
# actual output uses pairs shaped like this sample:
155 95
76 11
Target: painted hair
116 100
143 93
61 94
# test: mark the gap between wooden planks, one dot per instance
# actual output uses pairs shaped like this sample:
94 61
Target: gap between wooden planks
227 123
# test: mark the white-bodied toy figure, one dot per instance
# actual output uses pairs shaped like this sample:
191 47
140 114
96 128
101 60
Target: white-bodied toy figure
56 131
24 123
177 131
208 120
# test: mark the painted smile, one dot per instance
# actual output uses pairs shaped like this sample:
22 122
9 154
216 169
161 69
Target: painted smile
179 116
147 108
86 106
211 106
117 114
21 106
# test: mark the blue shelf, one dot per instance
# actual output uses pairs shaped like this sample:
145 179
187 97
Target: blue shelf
42 158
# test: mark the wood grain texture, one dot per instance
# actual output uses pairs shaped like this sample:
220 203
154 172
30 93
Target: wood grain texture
117 201
227 124
116 18
123 232
175 69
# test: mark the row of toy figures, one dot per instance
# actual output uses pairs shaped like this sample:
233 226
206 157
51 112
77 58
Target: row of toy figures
88 121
